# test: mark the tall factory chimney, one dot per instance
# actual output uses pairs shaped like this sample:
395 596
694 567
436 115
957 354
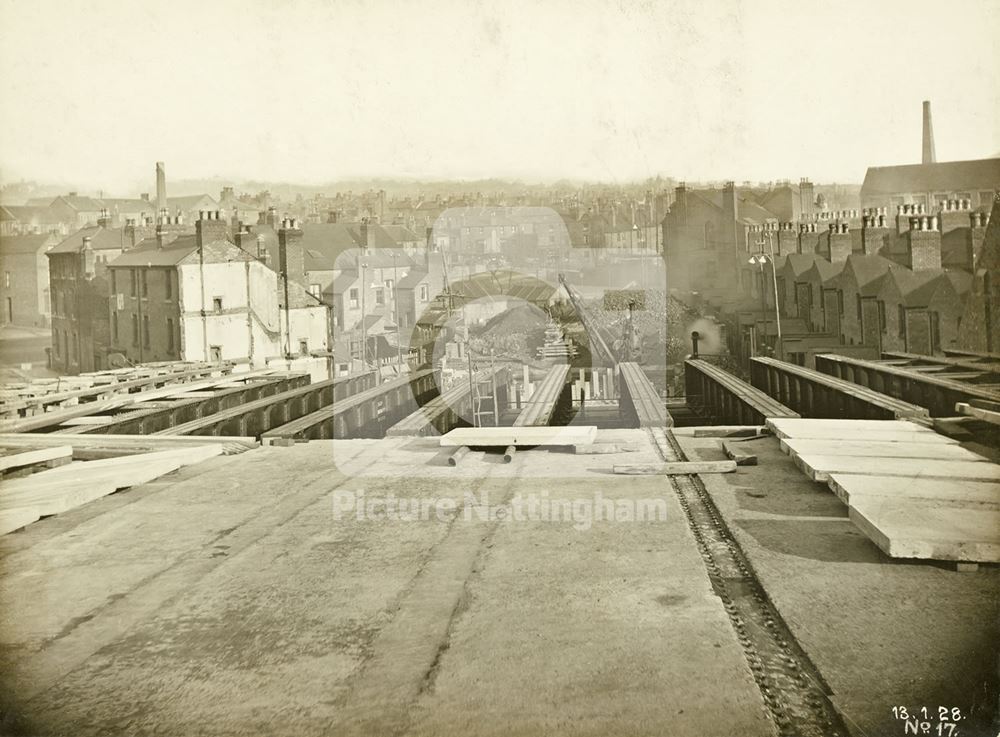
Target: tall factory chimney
161 187
929 157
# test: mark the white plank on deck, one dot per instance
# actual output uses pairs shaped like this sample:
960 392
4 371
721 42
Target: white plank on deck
909 528
520 436
880 449
953 492
819 467
30 457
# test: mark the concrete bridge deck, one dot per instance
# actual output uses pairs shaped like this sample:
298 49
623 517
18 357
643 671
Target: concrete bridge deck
228 598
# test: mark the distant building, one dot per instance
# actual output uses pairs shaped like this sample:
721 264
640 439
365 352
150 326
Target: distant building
930 185
79 291
203 298
981 316
24 279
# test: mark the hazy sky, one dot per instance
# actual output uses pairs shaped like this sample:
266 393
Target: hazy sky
94 92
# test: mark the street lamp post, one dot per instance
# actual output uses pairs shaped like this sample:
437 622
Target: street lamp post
364 327
761 259
395 311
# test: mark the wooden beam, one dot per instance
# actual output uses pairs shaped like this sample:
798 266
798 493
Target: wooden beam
681 468
986 415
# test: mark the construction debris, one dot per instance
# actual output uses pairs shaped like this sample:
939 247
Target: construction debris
455 458
735 453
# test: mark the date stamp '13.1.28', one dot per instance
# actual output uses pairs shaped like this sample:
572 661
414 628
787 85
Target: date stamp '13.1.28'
940 721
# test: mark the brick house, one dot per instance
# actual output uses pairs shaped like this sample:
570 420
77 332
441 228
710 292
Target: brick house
24 279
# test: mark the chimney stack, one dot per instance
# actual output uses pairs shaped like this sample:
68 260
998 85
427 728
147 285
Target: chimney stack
161 187
929 156
291 257
88 260
210 228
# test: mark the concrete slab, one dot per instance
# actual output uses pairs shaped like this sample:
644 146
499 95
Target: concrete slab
879 430
819 467
917 632
954 492
519 436
928 528
879 449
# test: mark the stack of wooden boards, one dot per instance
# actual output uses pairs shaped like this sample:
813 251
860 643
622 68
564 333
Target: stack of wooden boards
40 476
913 492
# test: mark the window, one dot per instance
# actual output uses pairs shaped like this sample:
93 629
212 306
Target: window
303 347
935 331
215 352
170 333
217 304
314 290
902 322
114 326
168 277
145 282
423 293
840 301
114 281
56 343
145 330
379 296
388 284
342 368
353 296
135 329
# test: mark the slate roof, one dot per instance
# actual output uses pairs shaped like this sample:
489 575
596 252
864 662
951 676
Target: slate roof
946 176
412 279
101 239
187 202
23 243
748 211
81 204
866 267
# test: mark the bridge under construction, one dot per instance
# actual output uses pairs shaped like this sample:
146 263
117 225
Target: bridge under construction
418 553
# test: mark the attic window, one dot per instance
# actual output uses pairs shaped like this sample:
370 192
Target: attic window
217 304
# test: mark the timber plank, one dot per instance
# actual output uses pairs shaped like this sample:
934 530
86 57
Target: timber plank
678 468
31 457
15 519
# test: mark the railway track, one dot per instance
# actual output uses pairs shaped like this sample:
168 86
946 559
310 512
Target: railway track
797 698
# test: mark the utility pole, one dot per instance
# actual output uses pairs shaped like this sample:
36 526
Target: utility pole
395 310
